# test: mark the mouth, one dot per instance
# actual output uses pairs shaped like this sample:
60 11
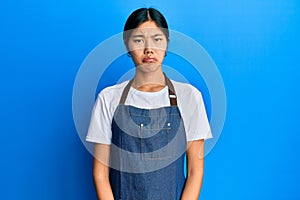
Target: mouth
149 60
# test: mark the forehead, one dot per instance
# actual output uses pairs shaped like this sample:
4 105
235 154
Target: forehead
147 28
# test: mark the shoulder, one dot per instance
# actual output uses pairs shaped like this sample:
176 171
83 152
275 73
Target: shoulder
186 90
112 91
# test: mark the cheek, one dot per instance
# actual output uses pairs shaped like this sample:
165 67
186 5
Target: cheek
162 49
136 53
136 57
161 53
134 47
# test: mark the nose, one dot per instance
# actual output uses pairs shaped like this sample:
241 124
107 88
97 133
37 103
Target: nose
148 51
148 47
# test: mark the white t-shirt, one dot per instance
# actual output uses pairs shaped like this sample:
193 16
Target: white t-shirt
189 102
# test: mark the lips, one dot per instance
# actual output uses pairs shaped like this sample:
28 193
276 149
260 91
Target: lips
149 60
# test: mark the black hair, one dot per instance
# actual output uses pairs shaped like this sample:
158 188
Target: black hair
142 15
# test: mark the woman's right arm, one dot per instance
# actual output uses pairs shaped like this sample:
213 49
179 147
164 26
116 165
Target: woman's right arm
101 172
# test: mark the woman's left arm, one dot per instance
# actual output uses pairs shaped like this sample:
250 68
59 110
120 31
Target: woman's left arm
195 167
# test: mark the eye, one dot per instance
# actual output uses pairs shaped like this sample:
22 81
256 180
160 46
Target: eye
138 41
157 39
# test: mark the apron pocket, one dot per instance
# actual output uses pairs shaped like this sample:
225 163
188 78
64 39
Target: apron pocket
154 147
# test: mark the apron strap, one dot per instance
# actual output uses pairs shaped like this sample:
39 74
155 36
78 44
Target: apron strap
125 92
172 95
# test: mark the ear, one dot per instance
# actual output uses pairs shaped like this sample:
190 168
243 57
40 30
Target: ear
166 52
128 52
125 43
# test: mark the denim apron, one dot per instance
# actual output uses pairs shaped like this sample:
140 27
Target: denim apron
147 151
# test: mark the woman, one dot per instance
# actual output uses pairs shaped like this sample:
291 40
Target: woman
143 128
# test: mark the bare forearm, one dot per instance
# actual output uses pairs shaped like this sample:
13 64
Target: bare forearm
192 187
101 172
195 169
103 189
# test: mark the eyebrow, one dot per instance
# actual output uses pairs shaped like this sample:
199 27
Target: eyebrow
140 35
135 36
159 34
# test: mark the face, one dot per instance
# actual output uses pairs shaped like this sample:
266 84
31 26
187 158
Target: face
147 46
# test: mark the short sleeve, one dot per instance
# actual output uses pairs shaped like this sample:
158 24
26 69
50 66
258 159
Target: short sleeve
99 130
199 128
194 114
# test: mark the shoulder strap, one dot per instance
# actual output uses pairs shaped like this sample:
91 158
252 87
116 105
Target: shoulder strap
172 95
125 92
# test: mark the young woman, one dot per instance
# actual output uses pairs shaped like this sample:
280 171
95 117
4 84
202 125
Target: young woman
143 128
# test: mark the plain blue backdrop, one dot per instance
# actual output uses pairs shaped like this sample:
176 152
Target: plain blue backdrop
255 45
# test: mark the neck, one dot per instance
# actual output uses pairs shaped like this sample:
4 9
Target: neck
149 82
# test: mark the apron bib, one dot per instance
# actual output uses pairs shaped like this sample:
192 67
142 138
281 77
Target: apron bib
147 151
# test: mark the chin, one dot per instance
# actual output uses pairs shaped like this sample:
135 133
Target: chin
149 67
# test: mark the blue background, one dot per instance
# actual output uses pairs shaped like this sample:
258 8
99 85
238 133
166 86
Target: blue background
253 43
